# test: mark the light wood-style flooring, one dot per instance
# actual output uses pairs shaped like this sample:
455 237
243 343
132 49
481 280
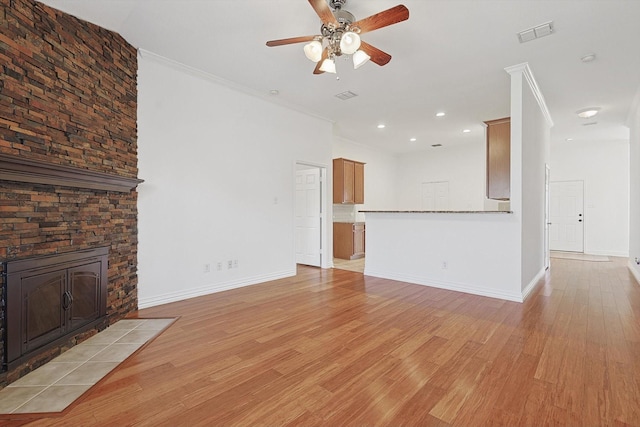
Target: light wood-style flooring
336 348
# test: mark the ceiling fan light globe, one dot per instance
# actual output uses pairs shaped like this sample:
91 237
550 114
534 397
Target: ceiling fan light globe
349 42
313 51
328 66
359 59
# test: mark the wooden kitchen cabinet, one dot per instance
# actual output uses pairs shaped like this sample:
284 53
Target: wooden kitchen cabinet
348 181
499 159
348 240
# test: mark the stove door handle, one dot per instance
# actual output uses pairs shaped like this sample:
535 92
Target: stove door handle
67 300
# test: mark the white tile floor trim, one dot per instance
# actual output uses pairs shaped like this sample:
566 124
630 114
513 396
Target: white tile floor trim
55 385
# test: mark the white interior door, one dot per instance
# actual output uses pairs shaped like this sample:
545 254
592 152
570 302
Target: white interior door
567 219
308 217
435 196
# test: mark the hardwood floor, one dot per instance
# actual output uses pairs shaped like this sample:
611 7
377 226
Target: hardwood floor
336 348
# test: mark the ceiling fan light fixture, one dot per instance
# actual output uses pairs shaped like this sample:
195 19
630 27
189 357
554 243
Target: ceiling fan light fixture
349 43
359 59
313 51
328 66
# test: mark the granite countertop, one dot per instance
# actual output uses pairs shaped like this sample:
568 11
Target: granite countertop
442 212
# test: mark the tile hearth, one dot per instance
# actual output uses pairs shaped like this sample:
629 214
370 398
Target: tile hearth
55 385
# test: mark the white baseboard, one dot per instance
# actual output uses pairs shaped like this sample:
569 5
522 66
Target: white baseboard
633 268
622 254
458 287
183 294
532 284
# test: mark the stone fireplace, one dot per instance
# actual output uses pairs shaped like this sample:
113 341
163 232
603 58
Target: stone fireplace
68 170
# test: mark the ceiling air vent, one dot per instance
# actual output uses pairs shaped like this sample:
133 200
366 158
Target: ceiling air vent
590 124
346 95
536 32
436 145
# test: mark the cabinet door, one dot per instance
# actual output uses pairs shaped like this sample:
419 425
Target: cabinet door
358 241
499 159
343 181
348 185
358 183
342 240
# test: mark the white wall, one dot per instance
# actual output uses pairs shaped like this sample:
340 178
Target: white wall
463 166
604 168
634 185
218 166
535 155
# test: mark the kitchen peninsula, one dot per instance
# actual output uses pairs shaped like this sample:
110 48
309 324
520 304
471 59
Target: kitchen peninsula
466 251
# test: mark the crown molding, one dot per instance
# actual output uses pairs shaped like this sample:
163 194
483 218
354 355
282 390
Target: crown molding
533 84
204 75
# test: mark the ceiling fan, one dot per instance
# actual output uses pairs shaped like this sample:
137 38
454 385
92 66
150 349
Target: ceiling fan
340 35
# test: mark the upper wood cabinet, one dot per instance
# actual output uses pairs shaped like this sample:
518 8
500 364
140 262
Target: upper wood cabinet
499 159
348 181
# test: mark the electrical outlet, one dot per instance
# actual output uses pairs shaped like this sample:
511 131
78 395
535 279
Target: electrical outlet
235 263
444 265
219 266
229 264
207 268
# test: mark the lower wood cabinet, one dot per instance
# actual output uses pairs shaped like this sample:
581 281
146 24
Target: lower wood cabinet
348 240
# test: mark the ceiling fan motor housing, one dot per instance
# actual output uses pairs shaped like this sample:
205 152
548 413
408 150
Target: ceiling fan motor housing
337 4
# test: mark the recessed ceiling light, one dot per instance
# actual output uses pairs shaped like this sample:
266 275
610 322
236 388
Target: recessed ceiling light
440 114
569 139
466 131
587 113
413 140
381 126
588 58
274 92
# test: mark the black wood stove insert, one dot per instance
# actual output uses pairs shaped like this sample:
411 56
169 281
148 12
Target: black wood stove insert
51 298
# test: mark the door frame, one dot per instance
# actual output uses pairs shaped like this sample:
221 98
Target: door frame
326 259
547 216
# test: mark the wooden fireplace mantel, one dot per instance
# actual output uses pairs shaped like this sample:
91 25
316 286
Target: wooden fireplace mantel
13 168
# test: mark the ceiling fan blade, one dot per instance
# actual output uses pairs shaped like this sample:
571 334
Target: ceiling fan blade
301 39
324 11
325 55
377 56
383 19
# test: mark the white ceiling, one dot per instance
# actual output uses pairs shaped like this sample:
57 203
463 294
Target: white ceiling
449 56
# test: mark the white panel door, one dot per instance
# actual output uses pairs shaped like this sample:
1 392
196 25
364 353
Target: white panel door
442 195
567 219
308 216
435 196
